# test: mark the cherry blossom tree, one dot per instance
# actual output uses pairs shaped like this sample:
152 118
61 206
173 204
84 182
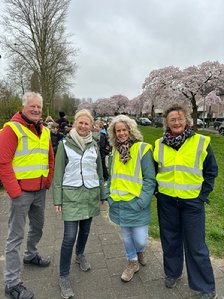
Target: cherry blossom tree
102 106
121 103
136 105
159 90
197 81
107 106
167 86
210 100
87 105
170 84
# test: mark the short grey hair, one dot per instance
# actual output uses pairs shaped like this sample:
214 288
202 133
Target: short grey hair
131 124
30 95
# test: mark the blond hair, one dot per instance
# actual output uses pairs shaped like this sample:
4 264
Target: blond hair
131 124
84 112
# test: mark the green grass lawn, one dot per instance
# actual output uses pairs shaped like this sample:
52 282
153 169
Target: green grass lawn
215 210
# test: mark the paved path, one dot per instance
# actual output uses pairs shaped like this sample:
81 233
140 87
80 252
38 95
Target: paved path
106 255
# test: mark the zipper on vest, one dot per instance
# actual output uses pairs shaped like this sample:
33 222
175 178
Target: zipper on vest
81 167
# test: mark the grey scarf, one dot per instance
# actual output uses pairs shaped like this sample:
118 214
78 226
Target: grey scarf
79 140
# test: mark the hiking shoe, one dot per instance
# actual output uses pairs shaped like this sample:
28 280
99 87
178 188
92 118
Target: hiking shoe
66 289
171 282
18 292
132 268
83 264
141 258
37 261
208 296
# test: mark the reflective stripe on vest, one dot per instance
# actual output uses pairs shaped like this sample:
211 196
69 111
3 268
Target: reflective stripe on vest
180 172
31 156
126 179
81 169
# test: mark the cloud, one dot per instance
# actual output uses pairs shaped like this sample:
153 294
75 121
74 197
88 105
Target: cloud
122 41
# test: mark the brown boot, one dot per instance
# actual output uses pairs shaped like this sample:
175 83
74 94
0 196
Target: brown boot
141 258
132 268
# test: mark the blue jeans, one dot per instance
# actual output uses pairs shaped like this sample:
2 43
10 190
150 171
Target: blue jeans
70 232
135 240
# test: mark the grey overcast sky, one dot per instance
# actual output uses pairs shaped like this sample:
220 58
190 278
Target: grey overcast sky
121 41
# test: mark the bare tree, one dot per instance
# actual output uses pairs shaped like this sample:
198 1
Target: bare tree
9 103
35 35
18 75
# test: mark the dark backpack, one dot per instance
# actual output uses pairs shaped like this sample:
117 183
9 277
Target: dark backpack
107 148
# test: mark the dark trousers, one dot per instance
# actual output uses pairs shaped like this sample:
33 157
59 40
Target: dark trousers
104 166
70 232
182 228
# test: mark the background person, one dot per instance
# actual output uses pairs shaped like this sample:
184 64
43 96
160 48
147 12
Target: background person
49 121
96 130
63 122
186 172
103 145
26 169
130 188
77 191
56 136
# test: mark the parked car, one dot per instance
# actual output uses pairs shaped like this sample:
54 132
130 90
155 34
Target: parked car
200 123
158 122
144 121
217 122
221 128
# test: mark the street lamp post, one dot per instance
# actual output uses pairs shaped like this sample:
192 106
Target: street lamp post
204 113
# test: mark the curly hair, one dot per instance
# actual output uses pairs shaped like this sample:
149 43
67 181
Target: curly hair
131 124
177 108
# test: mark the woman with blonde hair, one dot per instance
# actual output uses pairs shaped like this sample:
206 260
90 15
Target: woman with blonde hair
130 188
77 191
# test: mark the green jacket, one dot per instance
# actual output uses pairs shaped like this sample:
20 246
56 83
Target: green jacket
77 203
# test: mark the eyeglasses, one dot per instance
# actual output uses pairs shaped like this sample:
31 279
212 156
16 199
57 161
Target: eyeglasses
179 119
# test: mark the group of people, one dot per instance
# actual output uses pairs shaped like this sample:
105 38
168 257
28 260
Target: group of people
179 169
58 129
101 136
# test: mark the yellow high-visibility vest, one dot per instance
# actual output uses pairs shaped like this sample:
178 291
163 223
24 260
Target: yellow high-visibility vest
126 179
31 156
180 172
